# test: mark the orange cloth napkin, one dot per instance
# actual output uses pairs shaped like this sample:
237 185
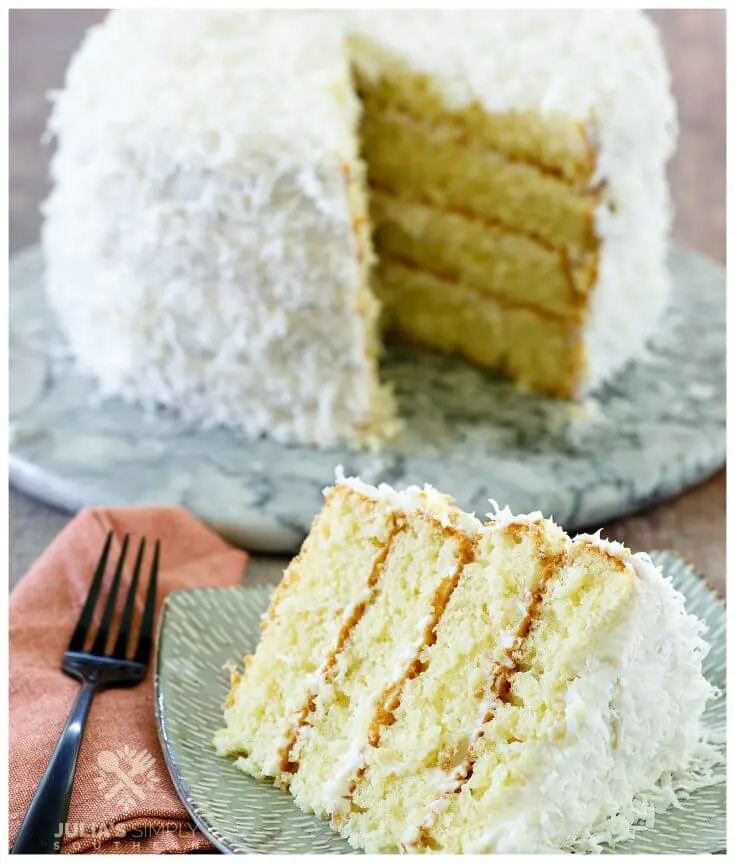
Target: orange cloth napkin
44 609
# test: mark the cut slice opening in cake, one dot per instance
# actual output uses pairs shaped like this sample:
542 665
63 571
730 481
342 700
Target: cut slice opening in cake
486 228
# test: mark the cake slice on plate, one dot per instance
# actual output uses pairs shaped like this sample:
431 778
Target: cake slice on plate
429 682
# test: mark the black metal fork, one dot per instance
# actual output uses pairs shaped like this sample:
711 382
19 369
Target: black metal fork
97 668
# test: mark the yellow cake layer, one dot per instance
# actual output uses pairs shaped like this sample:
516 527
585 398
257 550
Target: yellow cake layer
552 142
479 253
374 663
541 351
424 160
440 709
379 422
310 611
581 602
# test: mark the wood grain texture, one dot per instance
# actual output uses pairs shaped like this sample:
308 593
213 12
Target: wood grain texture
694 523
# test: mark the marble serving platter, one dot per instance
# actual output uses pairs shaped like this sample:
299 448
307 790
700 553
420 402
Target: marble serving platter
201 630
656 429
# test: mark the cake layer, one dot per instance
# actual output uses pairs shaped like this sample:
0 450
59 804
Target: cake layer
319 600
441 709
375 662
538 349
380 423
553 142
480 253
430 161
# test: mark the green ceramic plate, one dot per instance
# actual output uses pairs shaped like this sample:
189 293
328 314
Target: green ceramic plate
201 630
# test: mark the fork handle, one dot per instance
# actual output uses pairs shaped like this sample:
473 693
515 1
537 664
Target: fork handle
42 829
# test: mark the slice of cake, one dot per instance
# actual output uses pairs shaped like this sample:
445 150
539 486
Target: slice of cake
428 682
231 206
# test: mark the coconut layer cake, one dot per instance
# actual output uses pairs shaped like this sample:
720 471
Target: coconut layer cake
237 195
431 683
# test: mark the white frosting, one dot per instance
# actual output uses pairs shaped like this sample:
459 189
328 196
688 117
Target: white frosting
504 517
337 789
199 243
633 220
199 239
414 499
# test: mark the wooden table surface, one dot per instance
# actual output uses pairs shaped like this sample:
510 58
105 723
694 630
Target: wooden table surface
693 523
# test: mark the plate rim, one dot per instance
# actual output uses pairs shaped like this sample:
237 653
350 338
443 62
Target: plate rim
167 748
174 772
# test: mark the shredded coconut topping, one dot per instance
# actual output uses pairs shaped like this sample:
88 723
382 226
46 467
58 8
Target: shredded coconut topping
504 517
414 499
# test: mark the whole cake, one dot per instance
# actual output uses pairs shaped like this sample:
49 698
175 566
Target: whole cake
432 683
237 195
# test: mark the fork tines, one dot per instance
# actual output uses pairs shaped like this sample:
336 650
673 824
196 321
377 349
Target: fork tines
123 646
